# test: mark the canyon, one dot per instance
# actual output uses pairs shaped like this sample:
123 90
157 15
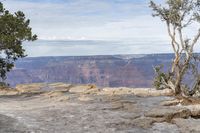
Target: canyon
102 70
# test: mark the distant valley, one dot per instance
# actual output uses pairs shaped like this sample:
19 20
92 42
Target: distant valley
111 70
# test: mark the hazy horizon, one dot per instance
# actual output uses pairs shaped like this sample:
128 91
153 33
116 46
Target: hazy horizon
90 47
42 48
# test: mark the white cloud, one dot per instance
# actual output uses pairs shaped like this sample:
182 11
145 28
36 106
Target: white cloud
89 19
127 21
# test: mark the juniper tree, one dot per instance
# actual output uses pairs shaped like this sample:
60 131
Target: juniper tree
180 15
14 29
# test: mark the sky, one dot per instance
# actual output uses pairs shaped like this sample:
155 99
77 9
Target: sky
92 27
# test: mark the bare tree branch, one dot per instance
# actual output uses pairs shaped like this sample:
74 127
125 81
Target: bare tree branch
195 40
172 36
178 15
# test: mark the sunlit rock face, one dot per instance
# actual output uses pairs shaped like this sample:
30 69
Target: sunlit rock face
110 71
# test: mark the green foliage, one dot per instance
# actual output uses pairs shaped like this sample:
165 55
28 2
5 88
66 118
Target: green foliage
179 16
160 78
177 11
14 30
4 85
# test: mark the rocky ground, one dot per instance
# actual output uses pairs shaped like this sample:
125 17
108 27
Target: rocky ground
64 108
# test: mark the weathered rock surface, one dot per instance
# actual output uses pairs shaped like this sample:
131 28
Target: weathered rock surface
143 92
8 92
171 102
83 89
59 107
165 128
42 87
11 125
169 113
195 109
188 125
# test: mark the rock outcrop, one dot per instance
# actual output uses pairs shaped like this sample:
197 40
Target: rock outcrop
60 107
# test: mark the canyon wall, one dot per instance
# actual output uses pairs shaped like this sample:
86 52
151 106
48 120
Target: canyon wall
108 70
